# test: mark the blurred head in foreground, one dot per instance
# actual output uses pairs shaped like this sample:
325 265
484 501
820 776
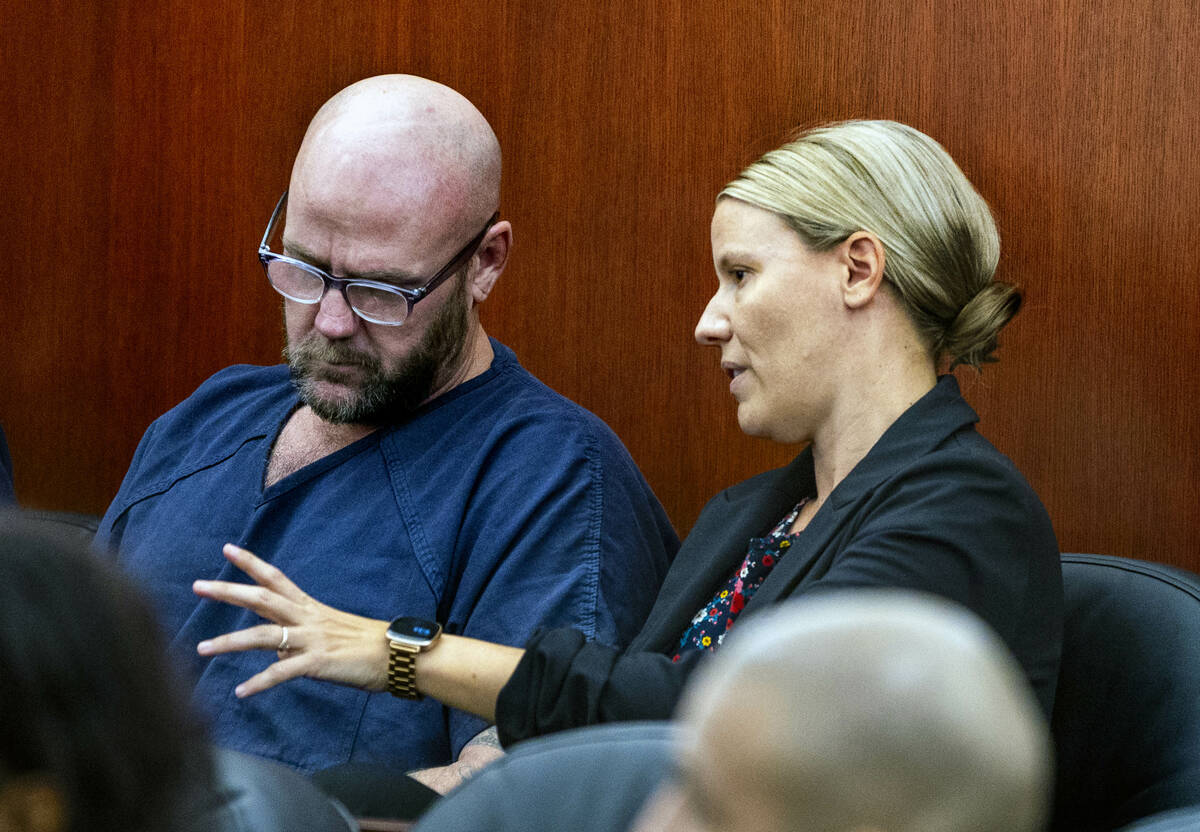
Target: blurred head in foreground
92 733
875 710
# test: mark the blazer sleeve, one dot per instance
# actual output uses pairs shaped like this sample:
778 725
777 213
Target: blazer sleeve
974 532
564 682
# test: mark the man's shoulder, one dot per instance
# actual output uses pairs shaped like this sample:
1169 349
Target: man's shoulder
241 381
230 406
529 394
516 432
513 400
244 389
235 406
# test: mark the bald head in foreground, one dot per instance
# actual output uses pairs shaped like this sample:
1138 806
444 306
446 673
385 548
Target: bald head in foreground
402 465
864 712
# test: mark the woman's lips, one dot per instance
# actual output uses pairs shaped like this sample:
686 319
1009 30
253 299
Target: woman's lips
734 371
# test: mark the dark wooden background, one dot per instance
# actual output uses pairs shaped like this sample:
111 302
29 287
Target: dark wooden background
145 142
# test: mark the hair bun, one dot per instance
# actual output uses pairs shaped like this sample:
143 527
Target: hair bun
973 336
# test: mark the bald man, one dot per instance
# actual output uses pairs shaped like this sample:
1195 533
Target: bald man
876 711
402 463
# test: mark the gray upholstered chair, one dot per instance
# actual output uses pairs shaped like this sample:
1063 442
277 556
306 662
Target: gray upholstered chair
550 784
1179 820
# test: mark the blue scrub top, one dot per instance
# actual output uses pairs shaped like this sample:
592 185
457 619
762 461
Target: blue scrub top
497 509
7 494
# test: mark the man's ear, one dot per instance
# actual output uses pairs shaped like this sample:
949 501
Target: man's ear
490 259
30 803
862 255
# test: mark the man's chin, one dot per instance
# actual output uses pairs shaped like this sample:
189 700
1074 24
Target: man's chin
333 402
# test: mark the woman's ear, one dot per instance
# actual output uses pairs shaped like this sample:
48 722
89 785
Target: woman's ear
31 804
862 254
492 257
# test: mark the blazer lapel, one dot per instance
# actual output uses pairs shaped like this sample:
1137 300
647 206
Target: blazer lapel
718 543
936 415
801 559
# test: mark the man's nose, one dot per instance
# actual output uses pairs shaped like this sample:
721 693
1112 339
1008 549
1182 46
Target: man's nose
335 318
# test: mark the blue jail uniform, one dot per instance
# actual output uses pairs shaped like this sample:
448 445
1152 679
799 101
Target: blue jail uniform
497 509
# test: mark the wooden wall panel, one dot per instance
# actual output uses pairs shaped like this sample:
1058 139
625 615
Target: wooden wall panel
55 236
148 140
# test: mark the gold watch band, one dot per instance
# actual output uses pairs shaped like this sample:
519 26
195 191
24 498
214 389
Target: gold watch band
402 670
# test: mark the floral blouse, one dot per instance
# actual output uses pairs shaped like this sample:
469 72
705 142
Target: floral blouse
713 621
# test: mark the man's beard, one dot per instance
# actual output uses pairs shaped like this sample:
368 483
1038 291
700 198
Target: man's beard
383 397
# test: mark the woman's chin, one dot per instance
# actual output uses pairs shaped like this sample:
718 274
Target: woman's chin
757 425
752 424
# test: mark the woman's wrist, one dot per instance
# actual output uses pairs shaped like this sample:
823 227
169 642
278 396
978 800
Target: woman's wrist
378 647
466 673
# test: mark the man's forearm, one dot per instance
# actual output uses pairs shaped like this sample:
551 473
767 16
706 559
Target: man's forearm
483 749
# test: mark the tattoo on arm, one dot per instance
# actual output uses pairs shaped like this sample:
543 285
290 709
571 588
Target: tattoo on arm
489 738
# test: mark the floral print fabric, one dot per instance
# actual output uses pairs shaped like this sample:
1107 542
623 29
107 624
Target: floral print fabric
714 620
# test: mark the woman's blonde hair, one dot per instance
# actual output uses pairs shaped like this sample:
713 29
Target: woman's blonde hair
939 238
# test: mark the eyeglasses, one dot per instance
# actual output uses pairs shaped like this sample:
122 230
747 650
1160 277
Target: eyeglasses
379 303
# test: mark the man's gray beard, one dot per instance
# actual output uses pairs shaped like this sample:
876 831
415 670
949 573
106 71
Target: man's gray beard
382 398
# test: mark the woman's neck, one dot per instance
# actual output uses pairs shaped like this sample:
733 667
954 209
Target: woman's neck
867 407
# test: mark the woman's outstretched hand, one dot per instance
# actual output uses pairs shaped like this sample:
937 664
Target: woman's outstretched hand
310 638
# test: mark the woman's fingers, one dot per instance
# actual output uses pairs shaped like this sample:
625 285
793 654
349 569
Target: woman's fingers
262 637
300 659
279 671
337 646
258 599
263 573
310 638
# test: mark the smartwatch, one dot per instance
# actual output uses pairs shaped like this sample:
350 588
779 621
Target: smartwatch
407 637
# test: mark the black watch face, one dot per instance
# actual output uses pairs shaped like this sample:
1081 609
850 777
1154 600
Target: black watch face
417 630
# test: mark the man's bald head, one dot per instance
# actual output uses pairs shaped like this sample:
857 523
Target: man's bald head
868 711
393 189
401 146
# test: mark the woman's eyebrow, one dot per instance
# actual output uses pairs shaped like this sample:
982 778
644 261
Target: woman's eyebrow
732 256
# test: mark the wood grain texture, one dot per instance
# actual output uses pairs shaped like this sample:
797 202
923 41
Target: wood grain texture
148 140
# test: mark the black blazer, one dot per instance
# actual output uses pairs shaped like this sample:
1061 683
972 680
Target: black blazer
932 507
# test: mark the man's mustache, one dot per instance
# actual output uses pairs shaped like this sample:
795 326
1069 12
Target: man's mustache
314 348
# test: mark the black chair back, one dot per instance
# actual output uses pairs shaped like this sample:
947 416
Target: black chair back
250 794
1126 721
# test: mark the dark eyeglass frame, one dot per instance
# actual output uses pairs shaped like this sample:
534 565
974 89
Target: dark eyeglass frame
411 296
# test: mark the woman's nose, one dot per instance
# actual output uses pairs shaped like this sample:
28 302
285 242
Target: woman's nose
713 326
